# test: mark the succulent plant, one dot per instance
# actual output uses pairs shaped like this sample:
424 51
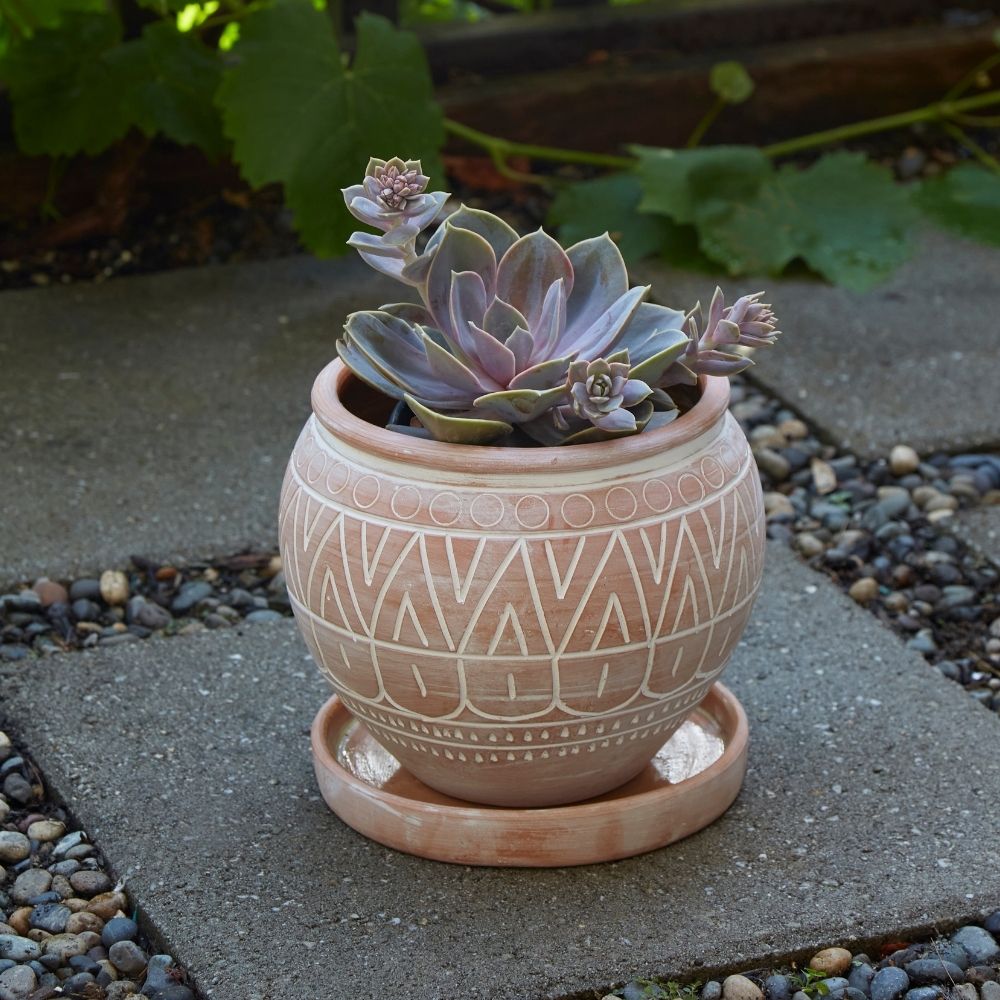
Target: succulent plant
515 331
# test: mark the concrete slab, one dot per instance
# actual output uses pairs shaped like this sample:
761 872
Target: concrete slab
915 360
869 807
154 415
980 527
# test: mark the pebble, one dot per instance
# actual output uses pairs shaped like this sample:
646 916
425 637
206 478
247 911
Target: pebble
45 830
64 946
114 587
863 591
20 982
50 592
712 990
17 788
992 922
264 615
964 991
831 961
934 970
14 847
120 990
29 884
835 985
740 988
979 944
773 464
860 977
50 917
903 460
18 949
85 590
889 983
809 545
119 929
148 614
990 990
189 595
924 993
90 883
128 957
778 988
67 843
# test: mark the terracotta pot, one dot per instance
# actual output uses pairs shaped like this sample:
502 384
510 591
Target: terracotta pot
520 626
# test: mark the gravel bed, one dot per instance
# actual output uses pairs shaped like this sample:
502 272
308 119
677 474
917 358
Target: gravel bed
964 966
882 531
143 599
66 926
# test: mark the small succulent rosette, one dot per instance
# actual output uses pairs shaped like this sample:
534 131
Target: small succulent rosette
515 339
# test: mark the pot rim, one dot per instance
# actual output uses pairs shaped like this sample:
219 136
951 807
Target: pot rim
493 459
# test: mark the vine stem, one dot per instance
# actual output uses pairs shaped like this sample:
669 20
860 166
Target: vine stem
497 146
960 135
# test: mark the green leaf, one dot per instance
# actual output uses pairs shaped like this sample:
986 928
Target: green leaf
297 116
608 204
854 220
730 81
845 217
675 182
66 96
966 200
170 79
25 17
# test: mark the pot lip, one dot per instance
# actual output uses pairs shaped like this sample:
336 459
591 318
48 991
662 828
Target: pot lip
492 459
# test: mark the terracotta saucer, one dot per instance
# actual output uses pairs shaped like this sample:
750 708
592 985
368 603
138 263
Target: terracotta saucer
690 783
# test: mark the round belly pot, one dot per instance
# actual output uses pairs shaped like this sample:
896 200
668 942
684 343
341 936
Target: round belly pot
520 626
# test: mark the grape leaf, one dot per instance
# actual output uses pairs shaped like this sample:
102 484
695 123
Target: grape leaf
608 204
675 182
65 94
854 220
298 116
966 200
25 17
753 235
845 217
168 81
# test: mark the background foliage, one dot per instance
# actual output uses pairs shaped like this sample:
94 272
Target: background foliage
269 83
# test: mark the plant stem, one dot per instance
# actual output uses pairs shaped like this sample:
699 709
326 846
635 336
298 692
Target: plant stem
500 148
970 78
706 123
931 112
507 147
960 135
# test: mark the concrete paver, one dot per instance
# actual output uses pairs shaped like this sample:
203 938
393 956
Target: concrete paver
916 360
154 415
981 528
869 807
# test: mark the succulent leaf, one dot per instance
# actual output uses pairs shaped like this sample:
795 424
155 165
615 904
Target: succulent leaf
458 429
528 269
600 279
520 405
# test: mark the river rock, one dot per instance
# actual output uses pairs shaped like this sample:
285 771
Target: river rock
831 961
14 847
979 944
18 949
928 971
741 988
